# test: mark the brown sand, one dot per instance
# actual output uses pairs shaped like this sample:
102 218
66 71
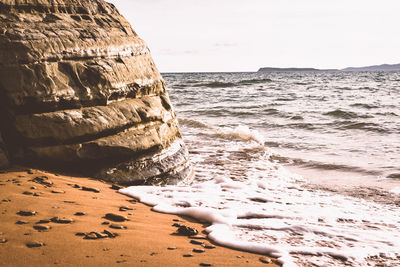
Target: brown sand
144 242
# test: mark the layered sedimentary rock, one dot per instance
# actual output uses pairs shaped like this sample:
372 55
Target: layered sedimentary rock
79 89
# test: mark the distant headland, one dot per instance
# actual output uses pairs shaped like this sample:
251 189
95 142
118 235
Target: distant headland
383 67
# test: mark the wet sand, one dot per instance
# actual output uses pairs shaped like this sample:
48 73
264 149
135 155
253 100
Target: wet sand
41 214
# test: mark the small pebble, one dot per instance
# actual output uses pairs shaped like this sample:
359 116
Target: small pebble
80 234
43 221
76 186
117 226
124 208
58 191
205 264
21 222
27 193
198 250
33 187
80 213
34 244
41 227
209 246
105 223
3 240
116 187
265 260
90 189
26 213
115 217
187 255
196 242
62 220
171 248
187 231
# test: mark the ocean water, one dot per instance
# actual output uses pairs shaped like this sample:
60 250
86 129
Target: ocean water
300 166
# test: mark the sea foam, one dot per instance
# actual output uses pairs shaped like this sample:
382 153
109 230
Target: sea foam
273 214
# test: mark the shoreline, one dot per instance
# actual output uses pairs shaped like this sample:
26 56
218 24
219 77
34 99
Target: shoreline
81 204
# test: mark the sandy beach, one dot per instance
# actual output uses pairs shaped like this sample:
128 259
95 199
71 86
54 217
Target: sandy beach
49 219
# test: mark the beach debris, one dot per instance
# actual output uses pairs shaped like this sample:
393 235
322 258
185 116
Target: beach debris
21 222
41 227
35 244
187 255
3 240
26 213
90 189
79 213
117 226
62 220
186 231
196 242
115 217
43 180
265 260
198 250
205 264
125 208
58 191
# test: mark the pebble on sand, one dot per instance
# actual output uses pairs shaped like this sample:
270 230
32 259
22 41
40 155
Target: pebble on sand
117 226
205 264
62 220
116 217
90 189
41 227
80 213
26 213
198 250
34 244
3 240
21 222
265 260
187 231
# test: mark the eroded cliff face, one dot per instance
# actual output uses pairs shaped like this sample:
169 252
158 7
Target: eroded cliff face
79 89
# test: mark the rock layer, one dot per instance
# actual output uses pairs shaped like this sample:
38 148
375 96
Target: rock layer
79 89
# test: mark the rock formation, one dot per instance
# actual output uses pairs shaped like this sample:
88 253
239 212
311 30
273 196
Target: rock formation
79 90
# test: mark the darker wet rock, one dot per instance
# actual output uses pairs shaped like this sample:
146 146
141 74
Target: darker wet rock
41 227
198 250
116 187
21 222
196 242
187 231
34 244
125 208
90 189
118 226
26 213
43 180
80 213
265 260
116 217
62 220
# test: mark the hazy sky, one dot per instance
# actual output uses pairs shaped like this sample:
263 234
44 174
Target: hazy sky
243 35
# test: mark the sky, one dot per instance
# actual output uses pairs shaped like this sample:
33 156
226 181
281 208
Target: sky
244 35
